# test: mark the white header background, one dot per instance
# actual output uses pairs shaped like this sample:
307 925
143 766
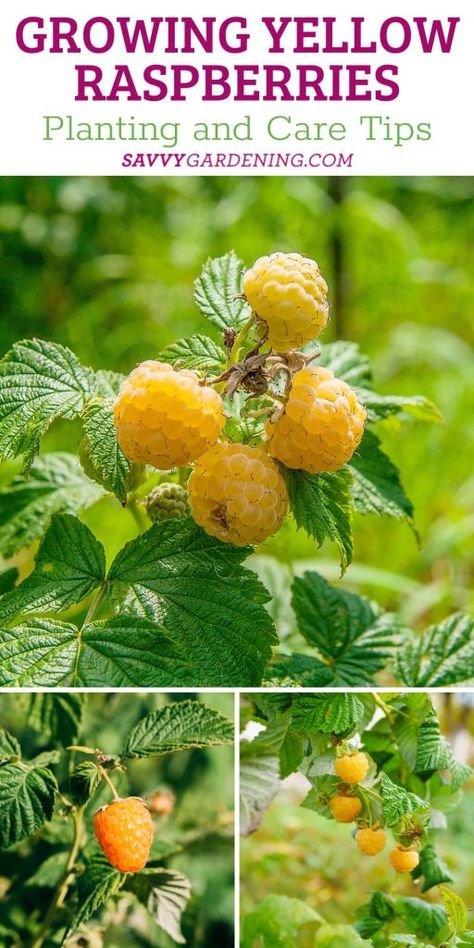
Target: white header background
435 88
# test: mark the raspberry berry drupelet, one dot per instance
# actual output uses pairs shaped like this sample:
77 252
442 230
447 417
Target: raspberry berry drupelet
124 830
345 809
352 768
371 840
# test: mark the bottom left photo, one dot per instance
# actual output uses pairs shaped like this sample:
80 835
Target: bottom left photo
116 820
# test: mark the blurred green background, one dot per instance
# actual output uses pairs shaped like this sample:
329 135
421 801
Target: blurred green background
302 855
196 839
106 266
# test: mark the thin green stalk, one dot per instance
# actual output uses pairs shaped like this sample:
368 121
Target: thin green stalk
134 508
239 341
105 776
63 884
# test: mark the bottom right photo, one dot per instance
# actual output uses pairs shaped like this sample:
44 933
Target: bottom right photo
357 814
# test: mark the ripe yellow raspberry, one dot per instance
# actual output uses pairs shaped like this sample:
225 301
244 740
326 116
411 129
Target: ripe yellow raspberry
321 425
345 809
288 293
404 860
124 830
237 494
352 768
165 417
370 841
162 803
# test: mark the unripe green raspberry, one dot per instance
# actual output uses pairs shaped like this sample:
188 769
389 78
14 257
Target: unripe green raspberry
321 425
165 417
237 494
288 293
167 502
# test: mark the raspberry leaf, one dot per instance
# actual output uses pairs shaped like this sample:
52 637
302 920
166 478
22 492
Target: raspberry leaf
432 868
57 717
165 893
109 883
376 487
322 505
9 746
125 651
259 784
84 781
8 579
379 407
282 922
196 352
27 796
432 751
339 714
217 289
363 637
56 484
397 801
195 586
443 655
100 454
70 565
455 910
178 727
39 382
422 916
347 362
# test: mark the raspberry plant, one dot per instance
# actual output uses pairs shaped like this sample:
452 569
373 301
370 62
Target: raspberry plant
63 889
256 431
387 752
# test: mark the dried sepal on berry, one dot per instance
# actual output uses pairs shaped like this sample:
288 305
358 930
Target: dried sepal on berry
165 417
321 424
237 494
289 295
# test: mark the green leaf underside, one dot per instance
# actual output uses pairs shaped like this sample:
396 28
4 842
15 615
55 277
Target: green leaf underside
121 652
69 566
330 714
57 717
455 910
106 461
196 588
443 655
397 801
195 352
39 382
56 484
353 636
215 291
379 407
322 505
432 750
27 796
259 783
9 746
376 487
178 727
165 892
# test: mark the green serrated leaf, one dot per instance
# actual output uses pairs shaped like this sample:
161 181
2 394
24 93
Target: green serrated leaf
27 796
376 486
324 787
376 914
363 638
69 566
291 754
123 651
259 783
443 655
57 717
397 801
322 505
196 352
217 292
431 751
277 923
56 484
108 885
49 872
426 918
176 575
433 870
8 579
455 910
347 362
9 746
177 727
100 454
385 406
108 383
84 780
337 714
165 892
39 382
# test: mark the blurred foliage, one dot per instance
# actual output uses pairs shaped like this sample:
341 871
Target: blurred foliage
106 266
198 834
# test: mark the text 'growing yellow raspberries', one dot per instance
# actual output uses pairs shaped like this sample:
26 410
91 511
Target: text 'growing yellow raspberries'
288 293
124 830
321 425
165 417
237 494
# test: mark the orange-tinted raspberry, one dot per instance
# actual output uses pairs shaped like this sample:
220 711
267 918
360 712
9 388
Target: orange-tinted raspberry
352 768
404 860
321 425
288 293
124 830
370 841
166 418
345 809
237 494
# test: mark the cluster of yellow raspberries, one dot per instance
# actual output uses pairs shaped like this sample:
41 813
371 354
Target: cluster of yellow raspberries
169 417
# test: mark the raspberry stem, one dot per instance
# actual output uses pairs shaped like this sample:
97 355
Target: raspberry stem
105 776
239 340
64 882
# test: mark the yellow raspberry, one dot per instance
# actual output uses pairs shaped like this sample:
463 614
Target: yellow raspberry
321 425
352 768
165 417
124 830
345 809
288 293
370 841
237 494
404 860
